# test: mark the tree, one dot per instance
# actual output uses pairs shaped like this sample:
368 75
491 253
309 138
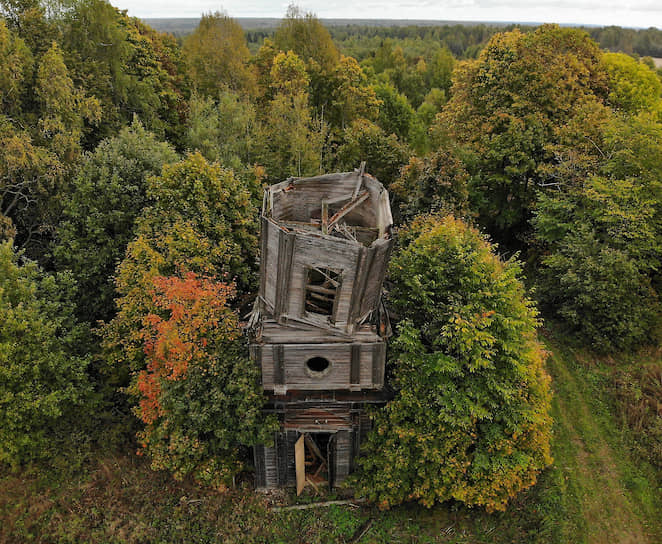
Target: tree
470 417
64 108
290 138
505 110
365 141
352 97
633 86
202 220
199 395
216 55
303 34
103 200
223 130
43 381
600 293
434 184
16 65
30 176
395 113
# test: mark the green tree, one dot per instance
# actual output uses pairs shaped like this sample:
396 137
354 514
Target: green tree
103 200
433 184
352 97
43 381
16 66
505 110
217 56
290 137
470 417
223 130
201 220
306 36
383 153
64 109
633 86
395 113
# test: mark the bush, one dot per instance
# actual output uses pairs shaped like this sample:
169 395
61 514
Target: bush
43 381
639 393
199 395
470 417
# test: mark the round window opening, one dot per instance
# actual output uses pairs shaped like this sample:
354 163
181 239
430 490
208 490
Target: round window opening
317 365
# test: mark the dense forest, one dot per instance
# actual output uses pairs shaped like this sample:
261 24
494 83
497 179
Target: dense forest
525 174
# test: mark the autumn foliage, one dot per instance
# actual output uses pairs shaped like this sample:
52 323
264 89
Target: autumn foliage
198 396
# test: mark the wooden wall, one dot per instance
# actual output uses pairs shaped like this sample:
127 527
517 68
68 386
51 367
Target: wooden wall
353 366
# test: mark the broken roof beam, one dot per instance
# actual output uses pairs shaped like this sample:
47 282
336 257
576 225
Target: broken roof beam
348 208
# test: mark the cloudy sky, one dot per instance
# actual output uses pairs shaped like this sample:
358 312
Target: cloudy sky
635 13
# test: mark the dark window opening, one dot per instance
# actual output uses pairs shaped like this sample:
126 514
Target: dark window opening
321 289
317 364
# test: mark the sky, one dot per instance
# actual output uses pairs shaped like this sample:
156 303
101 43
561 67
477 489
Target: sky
634 13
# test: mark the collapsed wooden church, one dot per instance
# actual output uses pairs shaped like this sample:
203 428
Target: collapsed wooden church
319 327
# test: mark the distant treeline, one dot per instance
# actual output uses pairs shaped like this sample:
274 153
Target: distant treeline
463 40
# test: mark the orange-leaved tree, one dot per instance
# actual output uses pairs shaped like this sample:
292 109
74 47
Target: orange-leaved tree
199 396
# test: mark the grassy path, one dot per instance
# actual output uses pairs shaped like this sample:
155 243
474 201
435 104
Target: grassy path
607 497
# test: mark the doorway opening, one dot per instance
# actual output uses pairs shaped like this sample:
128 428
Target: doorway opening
313 460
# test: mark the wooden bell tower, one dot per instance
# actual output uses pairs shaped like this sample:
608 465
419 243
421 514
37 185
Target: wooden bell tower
319 324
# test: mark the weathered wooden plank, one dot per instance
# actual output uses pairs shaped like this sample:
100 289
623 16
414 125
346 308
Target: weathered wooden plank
355 372
378 362
279 364
282 458
300 463
342 456
260 469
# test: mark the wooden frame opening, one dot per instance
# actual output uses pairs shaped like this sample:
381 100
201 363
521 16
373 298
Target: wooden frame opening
321 291
312 455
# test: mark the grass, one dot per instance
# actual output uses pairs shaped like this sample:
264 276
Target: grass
596 491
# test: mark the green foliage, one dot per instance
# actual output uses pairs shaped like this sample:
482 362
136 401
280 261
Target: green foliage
43 383
470 418
352 97
128 67
290 138
365 141
395 113
633 86
303 34
202 220
64 108
599 292
216 55
223 130
434 184
505 111
638 391
16 65
103 200
600 236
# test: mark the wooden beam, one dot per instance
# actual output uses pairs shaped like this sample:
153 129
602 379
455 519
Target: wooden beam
342 212
325 217
299 461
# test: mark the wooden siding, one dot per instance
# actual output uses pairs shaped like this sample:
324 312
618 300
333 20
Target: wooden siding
285 364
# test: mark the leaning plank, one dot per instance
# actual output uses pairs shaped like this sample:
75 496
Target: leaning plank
342 212
354 502
299 459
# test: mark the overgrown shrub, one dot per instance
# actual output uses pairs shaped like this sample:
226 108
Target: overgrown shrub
470 418
199 395
639 393
44 388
